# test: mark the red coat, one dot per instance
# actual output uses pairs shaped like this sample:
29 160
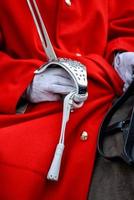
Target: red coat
92 28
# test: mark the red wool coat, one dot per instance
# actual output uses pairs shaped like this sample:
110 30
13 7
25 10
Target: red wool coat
92 28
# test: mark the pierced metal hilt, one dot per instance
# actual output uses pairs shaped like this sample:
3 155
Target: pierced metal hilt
76 70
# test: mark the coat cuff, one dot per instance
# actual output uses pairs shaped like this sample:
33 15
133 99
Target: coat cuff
118 45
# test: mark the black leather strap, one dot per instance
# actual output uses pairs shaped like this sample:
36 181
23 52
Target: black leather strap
129 141
125 127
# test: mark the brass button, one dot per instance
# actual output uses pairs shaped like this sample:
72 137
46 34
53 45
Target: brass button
68 2
84 136
78 54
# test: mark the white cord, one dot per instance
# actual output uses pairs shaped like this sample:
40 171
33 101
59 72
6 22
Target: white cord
53 173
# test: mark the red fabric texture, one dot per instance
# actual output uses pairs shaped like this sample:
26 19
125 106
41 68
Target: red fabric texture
92 28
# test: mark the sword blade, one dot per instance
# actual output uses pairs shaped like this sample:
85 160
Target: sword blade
42 31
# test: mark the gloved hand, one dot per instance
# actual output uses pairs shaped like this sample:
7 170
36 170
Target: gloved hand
124 65
50 85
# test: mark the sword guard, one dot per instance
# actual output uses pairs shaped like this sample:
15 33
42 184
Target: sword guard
76 70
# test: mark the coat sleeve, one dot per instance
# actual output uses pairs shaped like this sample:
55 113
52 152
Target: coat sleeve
15 75
121 27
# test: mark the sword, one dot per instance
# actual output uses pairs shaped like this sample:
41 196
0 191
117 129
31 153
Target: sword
78 73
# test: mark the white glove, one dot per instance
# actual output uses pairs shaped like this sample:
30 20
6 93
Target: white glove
124 65
50 85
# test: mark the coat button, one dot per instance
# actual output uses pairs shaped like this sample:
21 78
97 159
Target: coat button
78 54
68 2
84 136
